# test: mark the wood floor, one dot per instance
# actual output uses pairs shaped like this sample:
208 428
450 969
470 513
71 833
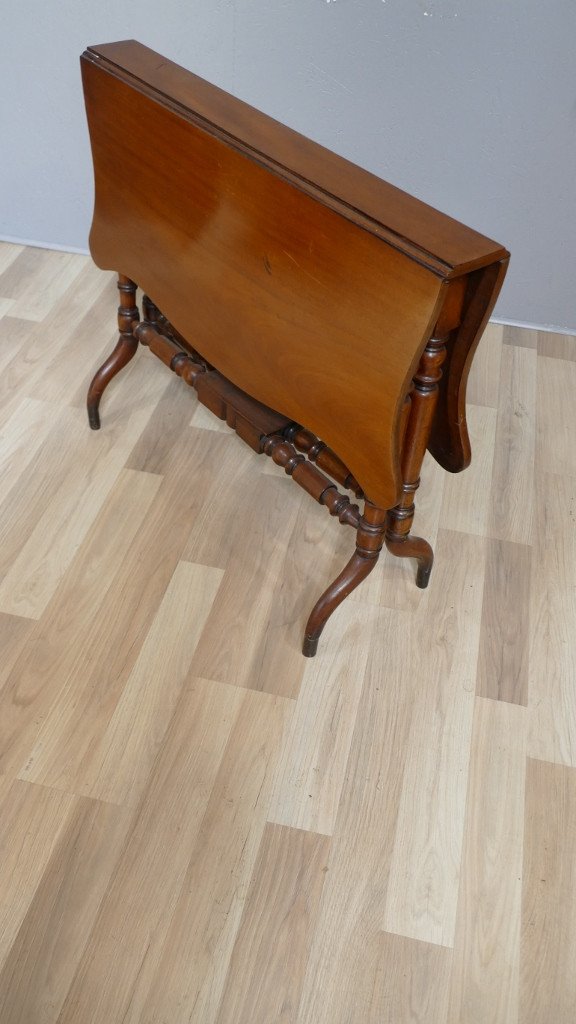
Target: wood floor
197 823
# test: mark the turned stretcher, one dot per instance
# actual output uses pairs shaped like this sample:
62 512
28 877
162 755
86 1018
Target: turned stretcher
300 296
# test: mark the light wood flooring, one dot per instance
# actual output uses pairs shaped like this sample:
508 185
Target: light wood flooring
196 823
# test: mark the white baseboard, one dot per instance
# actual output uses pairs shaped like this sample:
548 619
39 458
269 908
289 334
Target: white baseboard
494 319
551 328
43 245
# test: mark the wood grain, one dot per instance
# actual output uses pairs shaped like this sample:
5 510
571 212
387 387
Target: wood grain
425 870
512 494
505 634
310 775
392 979
522 336
118 766
20 281
555 437
484 985
48 947
33 818
552 655
484 379
354 896
557 346
466 500
191 974
41 563
552 675
46 682
300 289
276 928
9 251
13 636
245 642
15 336
21 437
119 960
548 979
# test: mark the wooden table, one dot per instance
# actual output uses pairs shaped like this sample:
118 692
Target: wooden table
301 296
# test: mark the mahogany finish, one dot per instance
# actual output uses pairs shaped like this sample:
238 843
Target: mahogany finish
300 296
126 346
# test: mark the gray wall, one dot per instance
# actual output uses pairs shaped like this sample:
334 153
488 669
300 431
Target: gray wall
469 104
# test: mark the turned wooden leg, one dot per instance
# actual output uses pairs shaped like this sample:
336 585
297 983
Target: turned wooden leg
406 546
369 540
422 405
150 312
125 349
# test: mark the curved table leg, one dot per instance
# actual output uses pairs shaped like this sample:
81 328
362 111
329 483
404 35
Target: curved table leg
125 349
369 540
413 547
422 404
399 541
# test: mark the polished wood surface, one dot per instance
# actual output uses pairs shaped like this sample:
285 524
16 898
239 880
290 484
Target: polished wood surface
197 823
299 295
295 289
281 293
405 222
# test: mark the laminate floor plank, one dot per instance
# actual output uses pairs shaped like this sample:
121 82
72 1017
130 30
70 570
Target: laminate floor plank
191 974
276 928
8 253
49 361
213 533
350 976
20 438
312 766
14 633
108 650
485 974
557 346
45 684
245 642
43 959
512 495
15 338
425 870
548 978
63 452
67 373
166 428
552 685
505 630
390 979
466 499
484 379
556 410
555 548
33 818
119 962
552 654
525 337
309 563
37 278
41 563
118 767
